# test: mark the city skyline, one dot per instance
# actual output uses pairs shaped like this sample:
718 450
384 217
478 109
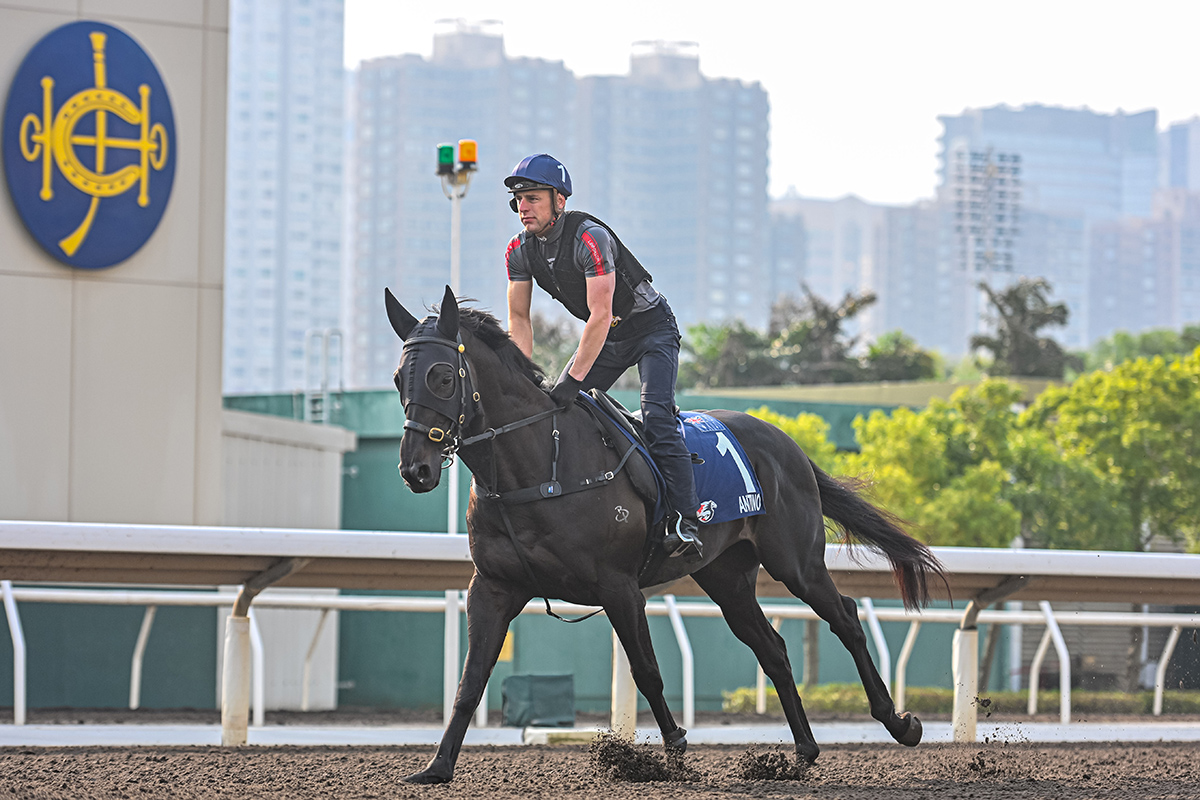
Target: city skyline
908 63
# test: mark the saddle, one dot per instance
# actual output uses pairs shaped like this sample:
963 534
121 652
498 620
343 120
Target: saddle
725 481
618 424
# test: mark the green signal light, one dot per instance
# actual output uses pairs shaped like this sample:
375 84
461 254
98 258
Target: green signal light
445 158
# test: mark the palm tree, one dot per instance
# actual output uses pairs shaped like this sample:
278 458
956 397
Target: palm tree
1021 311
809 340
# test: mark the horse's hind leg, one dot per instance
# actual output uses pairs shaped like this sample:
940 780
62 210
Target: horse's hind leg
730 582
490 608
816 588
627 612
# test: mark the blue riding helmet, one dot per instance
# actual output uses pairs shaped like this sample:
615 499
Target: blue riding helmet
541 171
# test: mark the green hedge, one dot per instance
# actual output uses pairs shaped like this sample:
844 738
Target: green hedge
849 698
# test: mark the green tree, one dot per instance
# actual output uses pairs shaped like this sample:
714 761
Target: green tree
810 341
809 431
895 356
944 468
1137 426
1126 346
554 342
1020 313
726 355
1065 502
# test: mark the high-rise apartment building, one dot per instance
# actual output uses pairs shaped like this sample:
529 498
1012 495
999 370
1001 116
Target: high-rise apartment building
1077 168
1145 271
283 190
840 251
405 106
1100 166
674 161
1179 156
921 285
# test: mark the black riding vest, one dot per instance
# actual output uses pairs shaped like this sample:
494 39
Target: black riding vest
567 284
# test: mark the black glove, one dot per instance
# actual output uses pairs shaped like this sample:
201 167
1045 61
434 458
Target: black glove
565 391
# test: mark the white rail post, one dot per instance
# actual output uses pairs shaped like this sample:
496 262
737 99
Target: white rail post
689 662
881 645
965 661
760 685
481 711
18 644
624 694
139 653
1160 675
910 642
305 702
965 666
1064 663
258 673
450 672
235 682
1035 672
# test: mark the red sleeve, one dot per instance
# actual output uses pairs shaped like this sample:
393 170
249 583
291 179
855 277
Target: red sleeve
592 254
517 270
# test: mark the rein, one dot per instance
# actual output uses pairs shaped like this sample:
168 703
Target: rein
453 439
546 490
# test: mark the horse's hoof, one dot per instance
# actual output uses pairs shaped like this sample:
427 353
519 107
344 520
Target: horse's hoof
807 755
429 775
676 740
912 735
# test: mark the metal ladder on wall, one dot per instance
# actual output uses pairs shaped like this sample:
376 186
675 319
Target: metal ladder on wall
321 404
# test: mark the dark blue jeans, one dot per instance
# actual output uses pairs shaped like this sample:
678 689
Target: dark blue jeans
652 343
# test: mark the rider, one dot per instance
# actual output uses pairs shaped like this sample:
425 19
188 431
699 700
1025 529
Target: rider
581 263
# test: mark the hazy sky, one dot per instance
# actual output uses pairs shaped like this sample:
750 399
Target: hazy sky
855 86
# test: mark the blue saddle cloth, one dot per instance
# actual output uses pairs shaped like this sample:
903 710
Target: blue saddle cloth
725 483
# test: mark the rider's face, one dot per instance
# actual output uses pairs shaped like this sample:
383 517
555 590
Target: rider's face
536 210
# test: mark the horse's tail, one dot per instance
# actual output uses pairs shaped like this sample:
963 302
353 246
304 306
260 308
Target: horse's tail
912 561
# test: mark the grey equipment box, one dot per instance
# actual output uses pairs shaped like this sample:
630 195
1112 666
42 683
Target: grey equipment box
540 701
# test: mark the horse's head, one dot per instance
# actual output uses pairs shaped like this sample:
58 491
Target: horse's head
434 381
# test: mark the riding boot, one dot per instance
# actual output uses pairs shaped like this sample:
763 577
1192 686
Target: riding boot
674 461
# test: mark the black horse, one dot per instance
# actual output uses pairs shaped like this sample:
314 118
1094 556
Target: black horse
467 388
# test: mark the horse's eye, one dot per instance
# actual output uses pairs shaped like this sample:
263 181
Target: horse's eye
440 380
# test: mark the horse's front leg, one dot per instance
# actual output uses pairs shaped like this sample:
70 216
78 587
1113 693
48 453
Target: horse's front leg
627 613
490 608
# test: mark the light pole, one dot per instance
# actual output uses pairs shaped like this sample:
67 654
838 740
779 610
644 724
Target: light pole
456 179
455 182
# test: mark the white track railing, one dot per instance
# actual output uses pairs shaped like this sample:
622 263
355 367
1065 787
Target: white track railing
1052 634
453 604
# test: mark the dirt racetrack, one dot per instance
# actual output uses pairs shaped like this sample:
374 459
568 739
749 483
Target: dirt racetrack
1012 771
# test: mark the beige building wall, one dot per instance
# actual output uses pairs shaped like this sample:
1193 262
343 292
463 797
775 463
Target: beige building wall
282 473
110 380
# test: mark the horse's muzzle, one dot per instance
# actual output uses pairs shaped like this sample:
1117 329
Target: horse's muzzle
420 477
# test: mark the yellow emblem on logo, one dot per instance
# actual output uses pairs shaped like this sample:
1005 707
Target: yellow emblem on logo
53 138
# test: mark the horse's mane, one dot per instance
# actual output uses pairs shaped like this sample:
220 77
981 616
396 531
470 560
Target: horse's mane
487 328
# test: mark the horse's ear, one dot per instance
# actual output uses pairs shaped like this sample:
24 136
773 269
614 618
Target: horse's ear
402 321
447 322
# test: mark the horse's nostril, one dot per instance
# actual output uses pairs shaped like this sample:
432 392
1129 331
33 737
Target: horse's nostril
418 476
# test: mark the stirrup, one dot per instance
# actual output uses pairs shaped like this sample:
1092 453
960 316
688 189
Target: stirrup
683 542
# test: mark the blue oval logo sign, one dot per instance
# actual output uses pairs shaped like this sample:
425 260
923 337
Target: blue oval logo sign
89 144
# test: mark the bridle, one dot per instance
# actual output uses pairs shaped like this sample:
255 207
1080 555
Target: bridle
459 407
